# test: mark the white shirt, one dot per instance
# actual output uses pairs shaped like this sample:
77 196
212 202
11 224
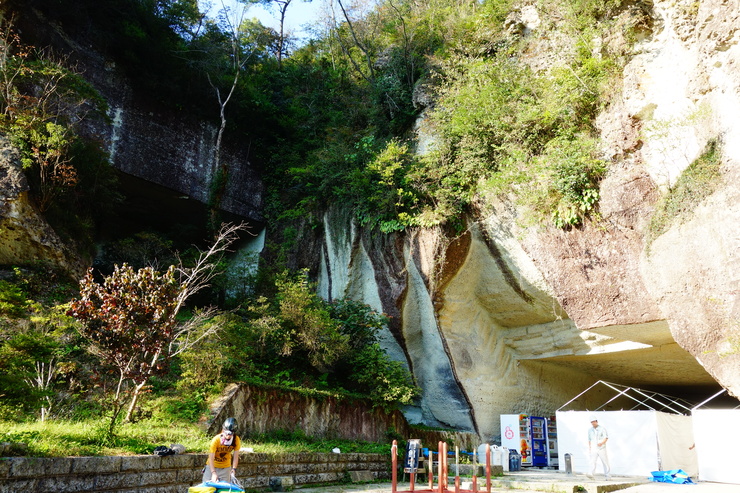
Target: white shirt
597 435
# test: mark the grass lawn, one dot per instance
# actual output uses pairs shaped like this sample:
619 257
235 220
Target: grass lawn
56 438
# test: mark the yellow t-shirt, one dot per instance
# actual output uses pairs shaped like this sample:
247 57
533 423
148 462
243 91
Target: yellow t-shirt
222 457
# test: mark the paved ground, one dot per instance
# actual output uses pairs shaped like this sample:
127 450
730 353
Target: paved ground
548 481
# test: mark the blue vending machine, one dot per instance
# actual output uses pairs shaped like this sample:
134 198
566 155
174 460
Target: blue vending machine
527 435
538 441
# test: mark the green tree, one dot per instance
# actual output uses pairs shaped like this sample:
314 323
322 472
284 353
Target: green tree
130 319
37 98
282 7
299 339
19 353
367 369
297 323
183 16
32 351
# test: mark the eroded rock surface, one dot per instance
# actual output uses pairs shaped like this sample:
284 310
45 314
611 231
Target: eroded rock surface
26 236
508 319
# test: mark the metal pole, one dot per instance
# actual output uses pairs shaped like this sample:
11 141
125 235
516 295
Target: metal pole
579 395
704 402
475 470
412 476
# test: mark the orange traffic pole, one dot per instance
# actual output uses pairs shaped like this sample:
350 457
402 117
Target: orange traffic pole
394 466
475 471
488 468
440 464
457 469
447 467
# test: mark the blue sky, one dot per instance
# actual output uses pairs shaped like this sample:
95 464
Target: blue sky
299 13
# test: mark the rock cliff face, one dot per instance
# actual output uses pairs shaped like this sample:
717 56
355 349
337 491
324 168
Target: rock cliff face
502 318
507 319
144 140
162 145
26 236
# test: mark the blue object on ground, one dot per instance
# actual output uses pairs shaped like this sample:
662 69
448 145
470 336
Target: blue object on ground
223 486
677 476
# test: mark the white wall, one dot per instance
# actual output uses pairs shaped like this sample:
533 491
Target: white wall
717 434
632 445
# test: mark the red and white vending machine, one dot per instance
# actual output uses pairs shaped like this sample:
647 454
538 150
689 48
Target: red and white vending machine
528 436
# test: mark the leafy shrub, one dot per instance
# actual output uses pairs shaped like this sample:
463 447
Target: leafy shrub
12 299
19 352
294 339
570 186
383 197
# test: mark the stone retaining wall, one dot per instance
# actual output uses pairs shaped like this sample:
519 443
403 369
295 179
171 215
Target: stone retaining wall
175 473
260 410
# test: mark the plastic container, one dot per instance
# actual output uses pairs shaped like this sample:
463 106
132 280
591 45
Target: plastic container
568 464
480 454
495 455
505 458
515 461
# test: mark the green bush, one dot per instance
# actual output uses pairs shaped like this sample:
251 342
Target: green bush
12 299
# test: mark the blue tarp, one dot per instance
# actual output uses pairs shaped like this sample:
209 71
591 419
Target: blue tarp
450 453
677 476
223 486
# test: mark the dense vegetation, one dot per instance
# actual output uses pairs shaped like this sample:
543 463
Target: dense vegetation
328 122
333 121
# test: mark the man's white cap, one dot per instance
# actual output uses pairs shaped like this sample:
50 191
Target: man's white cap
593 418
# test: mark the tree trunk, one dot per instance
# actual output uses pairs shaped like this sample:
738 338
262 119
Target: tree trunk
134 400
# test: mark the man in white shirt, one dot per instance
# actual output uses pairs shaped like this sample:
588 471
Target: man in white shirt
597 438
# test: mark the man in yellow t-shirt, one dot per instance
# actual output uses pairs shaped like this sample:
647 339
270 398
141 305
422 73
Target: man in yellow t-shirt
223 454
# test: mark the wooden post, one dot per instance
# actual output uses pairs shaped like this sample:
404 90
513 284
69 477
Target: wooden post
430 468
394 466
440 464
488 468
446 468
475 470
457 469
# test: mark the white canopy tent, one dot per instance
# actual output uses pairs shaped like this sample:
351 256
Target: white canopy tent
647 432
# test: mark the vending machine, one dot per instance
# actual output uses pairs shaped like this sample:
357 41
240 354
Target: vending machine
552 442
527 435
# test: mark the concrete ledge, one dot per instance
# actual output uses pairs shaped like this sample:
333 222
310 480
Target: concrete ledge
155 474
32 467
361 476
95 465
607 488
562 485
282 483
